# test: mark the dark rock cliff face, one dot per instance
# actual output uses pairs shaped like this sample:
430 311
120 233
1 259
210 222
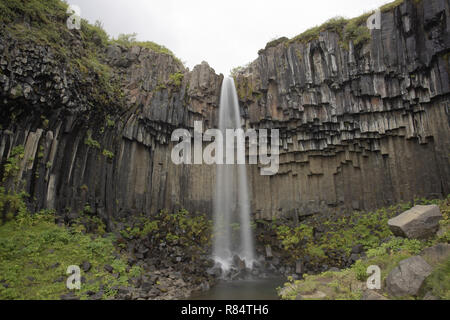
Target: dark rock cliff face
360 128
115 159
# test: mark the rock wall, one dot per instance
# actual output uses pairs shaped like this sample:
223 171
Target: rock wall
116 160
361 127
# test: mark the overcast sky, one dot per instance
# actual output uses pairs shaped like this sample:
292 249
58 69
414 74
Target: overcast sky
226 34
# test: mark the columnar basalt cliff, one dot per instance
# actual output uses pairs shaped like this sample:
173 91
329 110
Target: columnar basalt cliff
362 125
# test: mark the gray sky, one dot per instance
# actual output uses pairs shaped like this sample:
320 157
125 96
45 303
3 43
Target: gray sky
226 34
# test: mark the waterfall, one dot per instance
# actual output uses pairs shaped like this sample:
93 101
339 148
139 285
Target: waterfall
231 202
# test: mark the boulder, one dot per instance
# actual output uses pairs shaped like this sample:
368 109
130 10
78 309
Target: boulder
419 222
407 278
239 263
436 254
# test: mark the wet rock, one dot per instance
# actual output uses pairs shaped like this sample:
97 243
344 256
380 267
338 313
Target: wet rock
269 252
239 263
215 272
419 222
255 272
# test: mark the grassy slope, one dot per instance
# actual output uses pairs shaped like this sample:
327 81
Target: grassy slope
349 283
44 21
35 252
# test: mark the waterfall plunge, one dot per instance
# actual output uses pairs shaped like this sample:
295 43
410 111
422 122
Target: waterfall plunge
231 202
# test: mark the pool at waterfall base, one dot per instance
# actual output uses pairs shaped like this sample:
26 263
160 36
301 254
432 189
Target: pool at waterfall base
258 289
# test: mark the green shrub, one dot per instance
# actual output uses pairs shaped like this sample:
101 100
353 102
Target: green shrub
12 166
176 79
91 142
108 154
12 204
110 123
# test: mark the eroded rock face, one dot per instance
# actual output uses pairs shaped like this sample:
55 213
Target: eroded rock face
408 277
420 222
360 127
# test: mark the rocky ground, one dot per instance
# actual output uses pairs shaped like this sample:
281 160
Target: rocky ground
414 263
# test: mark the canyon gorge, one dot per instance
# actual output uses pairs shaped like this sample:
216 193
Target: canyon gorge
361 126
363 117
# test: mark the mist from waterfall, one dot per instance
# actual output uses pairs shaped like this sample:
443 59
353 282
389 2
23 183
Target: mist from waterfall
231 202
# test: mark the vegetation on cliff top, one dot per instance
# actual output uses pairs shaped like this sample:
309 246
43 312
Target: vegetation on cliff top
43 22
129 40
354 29
47 21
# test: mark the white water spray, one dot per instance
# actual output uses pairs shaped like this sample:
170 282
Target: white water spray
231 202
